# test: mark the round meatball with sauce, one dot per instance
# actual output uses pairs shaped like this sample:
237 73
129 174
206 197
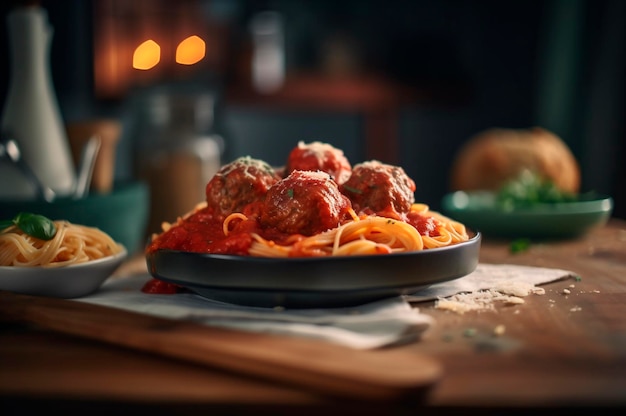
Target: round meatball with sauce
319 156
381 189
305 202
238 184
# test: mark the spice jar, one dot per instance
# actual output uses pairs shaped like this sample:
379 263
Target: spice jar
178 152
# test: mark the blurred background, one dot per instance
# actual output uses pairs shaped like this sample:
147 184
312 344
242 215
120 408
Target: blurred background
195 83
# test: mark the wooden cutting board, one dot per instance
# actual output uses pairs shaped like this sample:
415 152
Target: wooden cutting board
329 369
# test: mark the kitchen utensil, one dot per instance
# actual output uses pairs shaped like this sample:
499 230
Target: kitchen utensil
86 166
10 150
109 130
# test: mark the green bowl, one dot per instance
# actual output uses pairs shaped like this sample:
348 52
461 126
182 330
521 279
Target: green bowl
478 210
122 213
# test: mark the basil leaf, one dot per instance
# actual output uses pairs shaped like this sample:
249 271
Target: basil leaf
35 225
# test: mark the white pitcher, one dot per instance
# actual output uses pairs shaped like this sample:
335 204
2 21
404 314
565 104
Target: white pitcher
31 113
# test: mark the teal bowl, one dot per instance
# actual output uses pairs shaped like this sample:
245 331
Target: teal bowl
479 211
122 213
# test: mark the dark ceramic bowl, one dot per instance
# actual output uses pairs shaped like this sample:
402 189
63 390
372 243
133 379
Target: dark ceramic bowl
122 213
562 220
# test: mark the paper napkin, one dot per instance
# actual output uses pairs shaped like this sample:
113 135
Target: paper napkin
373 325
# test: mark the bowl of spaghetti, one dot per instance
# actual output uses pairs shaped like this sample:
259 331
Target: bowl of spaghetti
316 232
42 257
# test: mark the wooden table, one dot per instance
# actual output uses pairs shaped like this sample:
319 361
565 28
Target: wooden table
557 351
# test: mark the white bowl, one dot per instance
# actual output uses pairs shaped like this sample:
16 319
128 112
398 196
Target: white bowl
60 282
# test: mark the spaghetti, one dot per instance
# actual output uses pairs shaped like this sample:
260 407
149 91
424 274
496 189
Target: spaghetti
365 236
72 244
252 210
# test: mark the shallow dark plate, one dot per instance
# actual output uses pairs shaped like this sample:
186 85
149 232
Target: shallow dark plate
313 282
479 211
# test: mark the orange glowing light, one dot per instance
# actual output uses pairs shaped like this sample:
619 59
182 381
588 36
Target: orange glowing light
190 51
147 55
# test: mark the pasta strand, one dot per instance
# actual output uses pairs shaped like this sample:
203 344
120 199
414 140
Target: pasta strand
367 235
71 244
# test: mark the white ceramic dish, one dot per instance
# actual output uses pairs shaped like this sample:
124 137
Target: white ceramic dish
60 282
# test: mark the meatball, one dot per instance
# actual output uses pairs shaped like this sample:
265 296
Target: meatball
319 156
305 202
378 188
239 184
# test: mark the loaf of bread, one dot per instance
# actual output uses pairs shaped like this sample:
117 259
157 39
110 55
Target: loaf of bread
496 156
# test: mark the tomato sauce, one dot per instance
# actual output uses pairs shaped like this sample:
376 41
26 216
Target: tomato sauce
304 200
425 225
159 287
200 233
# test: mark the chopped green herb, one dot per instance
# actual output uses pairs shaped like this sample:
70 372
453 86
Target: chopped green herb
529 189
34 225
578 278
469 333
290 193
353 190
519 245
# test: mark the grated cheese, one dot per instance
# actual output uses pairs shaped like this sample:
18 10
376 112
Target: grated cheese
510 293
499 330
519 289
